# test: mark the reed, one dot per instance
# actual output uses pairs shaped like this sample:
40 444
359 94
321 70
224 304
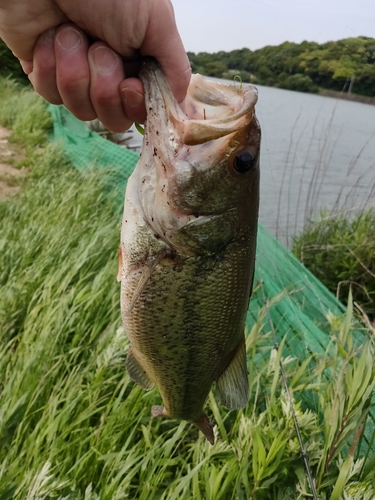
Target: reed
339 249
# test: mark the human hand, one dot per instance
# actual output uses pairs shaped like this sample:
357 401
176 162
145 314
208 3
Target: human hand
52 39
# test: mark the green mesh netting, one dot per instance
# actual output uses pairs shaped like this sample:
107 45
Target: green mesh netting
85 148
300 312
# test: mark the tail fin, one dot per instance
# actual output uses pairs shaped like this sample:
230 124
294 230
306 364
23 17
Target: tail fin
203 423
205 426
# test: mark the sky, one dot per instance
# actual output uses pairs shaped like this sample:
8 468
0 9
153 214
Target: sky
214 25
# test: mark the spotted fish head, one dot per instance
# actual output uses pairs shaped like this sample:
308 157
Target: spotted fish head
199 169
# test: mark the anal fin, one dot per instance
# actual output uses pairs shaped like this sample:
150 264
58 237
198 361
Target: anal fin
158 411
233 385
137 373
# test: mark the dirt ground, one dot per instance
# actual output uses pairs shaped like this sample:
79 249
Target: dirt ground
10 155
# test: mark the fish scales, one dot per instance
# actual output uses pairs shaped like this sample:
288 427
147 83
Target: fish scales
192 344
188 246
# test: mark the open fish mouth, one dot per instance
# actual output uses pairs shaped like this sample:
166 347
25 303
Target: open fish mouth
212 109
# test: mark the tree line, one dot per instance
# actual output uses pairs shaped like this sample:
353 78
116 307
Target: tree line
344 65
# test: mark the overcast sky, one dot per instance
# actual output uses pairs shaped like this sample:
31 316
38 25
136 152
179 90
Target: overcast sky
214 25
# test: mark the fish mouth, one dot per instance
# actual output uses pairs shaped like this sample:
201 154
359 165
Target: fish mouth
212 109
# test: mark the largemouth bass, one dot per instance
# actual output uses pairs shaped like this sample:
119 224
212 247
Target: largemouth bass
188 242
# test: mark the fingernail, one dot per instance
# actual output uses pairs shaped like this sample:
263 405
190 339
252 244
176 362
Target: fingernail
69 39
132 98
104 59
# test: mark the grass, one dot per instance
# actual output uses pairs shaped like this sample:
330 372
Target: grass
73 425
26 114
339 250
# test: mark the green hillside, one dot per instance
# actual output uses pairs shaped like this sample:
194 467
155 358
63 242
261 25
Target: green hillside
307 67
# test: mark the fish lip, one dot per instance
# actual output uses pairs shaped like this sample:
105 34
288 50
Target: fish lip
157 89
161 105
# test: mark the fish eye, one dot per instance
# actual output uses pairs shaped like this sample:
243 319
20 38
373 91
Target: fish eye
243 162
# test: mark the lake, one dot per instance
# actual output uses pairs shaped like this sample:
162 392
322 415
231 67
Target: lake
316 152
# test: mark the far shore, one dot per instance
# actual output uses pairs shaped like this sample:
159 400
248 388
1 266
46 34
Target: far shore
348 97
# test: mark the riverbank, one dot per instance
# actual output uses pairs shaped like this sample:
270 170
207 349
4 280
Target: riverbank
12 172
348 97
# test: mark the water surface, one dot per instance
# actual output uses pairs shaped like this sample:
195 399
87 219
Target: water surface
316 152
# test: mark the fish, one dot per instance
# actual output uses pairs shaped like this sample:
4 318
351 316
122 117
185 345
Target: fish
188 243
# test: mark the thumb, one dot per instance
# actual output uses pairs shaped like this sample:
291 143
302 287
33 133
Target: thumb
163 42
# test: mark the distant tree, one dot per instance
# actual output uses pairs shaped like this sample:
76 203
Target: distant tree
301 83
332 65
215 68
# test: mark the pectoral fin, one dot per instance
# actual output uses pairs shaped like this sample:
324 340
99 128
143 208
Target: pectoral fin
146 275
137 373
233 385
119 272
